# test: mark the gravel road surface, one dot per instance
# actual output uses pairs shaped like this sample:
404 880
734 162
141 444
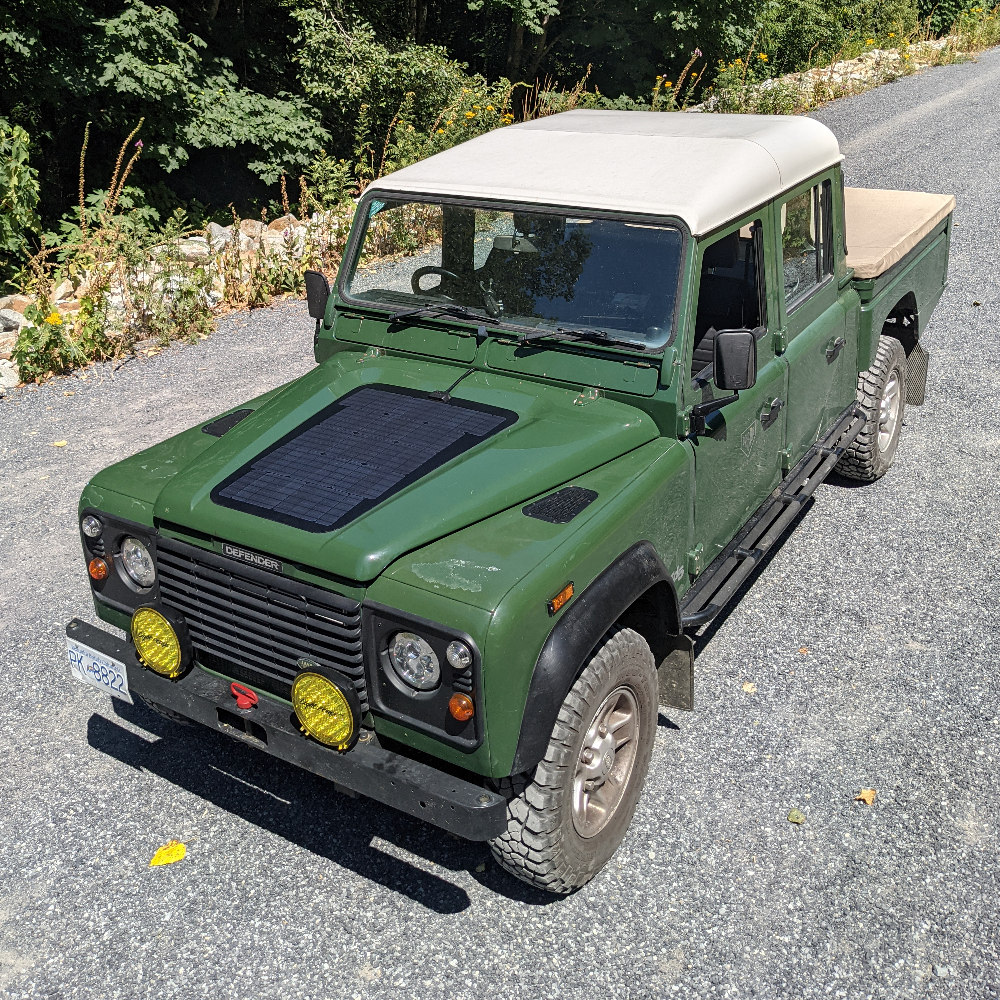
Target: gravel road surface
863 656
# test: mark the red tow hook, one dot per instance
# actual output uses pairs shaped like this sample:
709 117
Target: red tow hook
245 698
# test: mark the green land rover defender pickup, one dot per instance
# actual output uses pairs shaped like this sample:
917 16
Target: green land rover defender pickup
457 566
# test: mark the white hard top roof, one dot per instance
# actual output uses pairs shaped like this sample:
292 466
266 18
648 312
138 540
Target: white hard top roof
706 169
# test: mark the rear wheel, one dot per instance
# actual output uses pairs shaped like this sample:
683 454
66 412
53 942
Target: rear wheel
566 820
882 395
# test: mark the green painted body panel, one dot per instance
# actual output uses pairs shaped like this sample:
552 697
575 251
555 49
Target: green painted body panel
455 546
552 441
923 273
621 374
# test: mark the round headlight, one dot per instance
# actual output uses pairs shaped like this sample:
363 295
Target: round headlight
328 711
138 562
459 655
156 642
92 528
414 660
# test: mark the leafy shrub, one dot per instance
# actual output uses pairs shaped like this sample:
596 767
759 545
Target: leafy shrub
18 196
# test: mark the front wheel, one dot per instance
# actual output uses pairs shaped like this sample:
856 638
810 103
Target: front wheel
565 821
882 395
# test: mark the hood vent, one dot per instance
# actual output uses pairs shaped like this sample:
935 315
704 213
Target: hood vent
219 427
354 454
560 507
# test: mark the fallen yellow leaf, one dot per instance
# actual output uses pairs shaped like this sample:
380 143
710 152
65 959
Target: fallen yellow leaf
796 816
58 444
69 393
867 795
749 687
803 650
481 868
170 852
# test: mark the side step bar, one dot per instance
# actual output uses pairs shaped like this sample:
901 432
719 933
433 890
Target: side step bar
736 562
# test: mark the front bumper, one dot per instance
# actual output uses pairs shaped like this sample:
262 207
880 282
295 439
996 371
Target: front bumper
456 805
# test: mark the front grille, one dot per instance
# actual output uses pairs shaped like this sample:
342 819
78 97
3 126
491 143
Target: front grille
254 626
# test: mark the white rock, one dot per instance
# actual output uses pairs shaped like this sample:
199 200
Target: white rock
64 290
219 236
252 228
9 374
194 248
11 320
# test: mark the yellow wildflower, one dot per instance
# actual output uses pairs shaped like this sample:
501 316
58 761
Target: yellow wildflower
869 41
762 56
440 131
668 83
53 318
470 114
892 34
489 107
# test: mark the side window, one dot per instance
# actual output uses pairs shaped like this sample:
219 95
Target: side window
806 242
731 290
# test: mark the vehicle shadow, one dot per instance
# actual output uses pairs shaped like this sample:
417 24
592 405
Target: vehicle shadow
305 809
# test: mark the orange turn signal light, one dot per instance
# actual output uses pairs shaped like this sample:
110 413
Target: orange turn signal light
98 569
561 598
461 707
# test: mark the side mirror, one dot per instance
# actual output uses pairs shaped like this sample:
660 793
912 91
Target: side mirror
317 293
735 360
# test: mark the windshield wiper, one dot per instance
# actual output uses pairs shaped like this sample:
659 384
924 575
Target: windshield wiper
592 336
436 309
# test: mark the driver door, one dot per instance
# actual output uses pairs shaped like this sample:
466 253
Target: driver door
738 457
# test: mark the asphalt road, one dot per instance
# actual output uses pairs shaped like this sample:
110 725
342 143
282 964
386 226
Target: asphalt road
870 640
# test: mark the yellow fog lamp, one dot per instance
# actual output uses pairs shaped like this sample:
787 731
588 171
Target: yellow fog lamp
327 707
161 640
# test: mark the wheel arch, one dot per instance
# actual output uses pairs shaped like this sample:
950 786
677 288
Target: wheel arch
636 591
903 322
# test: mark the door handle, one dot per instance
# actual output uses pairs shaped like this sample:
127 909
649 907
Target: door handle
831 352
768 417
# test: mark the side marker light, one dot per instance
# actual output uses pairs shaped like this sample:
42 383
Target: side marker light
557 602
98 569
461 707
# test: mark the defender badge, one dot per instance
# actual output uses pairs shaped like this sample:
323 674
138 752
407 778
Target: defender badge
253 558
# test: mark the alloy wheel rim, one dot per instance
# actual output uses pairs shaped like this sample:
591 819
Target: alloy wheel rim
605 762
888 415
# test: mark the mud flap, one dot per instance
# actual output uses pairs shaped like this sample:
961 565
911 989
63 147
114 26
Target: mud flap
676 674
916 375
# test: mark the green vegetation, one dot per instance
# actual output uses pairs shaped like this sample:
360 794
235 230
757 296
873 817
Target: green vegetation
233 103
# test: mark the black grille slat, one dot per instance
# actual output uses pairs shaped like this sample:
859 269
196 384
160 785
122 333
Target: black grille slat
207 579
262 641
254 626
211 565
340 638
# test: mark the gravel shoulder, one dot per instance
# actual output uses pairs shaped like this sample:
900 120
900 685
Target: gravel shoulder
864 655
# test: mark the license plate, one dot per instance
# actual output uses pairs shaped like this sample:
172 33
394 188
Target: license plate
98 670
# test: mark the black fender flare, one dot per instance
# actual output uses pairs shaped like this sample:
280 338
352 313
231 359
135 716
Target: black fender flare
614 591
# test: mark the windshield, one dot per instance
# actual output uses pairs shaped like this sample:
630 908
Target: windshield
537 270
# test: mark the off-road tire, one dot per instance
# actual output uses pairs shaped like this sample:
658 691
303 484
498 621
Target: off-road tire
865 460
541 845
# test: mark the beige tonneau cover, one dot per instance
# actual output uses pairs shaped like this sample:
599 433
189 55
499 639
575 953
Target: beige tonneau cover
884 226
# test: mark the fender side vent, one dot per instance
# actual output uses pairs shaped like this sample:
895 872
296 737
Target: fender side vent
560 507
219 427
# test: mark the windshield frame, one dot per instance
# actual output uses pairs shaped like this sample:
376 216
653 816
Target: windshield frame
504 327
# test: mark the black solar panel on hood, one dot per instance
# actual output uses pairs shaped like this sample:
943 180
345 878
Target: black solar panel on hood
354 454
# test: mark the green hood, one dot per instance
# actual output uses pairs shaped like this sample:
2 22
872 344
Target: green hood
557 436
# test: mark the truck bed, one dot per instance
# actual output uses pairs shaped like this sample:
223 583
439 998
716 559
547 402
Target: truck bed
884 226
